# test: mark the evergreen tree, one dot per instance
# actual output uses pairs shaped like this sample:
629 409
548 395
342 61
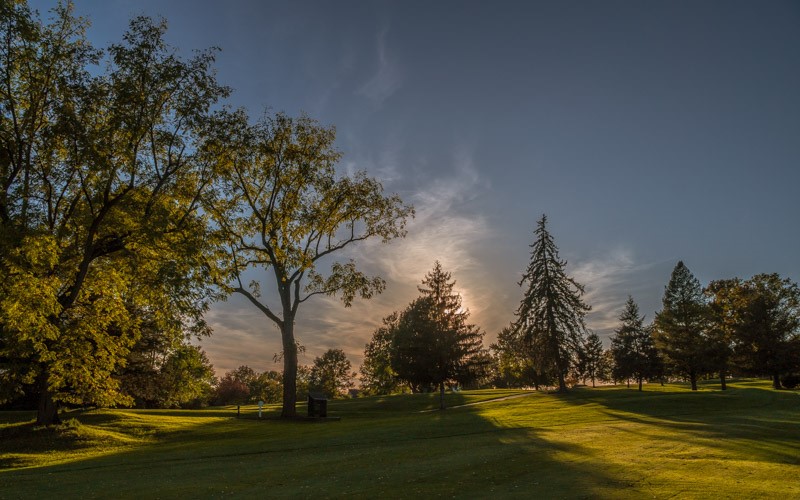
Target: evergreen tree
680 327
433 344
633 348
550 317
592 358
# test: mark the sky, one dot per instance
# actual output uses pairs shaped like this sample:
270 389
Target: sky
648 132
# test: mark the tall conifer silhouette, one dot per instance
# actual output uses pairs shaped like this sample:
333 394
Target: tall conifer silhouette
550 318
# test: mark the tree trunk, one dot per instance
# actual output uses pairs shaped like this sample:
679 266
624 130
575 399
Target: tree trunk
693 379
722 381
640 384
441 396
776 381
47 413
289 408
592 382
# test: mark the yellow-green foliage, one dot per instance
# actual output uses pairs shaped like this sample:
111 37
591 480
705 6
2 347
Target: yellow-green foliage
607 442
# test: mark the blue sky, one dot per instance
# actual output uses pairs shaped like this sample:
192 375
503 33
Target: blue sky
649 132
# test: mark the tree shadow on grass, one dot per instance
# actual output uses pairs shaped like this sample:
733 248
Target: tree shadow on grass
393 451
750 422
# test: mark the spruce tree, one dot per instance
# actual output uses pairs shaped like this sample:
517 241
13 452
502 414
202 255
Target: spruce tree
550 317
680 327
592 358
635 354
433 342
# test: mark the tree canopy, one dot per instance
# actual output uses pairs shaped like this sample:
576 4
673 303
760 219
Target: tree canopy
762 318
99 191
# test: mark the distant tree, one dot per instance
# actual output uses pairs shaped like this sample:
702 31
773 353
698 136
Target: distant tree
680 326
332 374
377 374
140 377
188 378
607 367
633 348
433 343
764 314
511 366
267 387
591 358
244 374
230 390
722 309
550 317
515 366
282 207
302 380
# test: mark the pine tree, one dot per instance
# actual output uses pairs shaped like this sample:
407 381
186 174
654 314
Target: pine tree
680 326
433 342
633 348
551 315
592 358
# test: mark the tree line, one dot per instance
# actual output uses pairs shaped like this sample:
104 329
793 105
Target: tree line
732 327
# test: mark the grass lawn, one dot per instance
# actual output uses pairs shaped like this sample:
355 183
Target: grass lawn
606 442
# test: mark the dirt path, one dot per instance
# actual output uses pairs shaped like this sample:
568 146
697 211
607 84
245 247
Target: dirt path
494 400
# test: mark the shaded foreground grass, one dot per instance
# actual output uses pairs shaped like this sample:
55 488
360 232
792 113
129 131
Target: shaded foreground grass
605 442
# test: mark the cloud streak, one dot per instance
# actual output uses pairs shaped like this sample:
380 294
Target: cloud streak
386 80
609 279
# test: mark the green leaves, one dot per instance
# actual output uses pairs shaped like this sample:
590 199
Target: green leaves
99 200
346 281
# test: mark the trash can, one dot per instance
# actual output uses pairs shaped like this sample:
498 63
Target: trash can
317 405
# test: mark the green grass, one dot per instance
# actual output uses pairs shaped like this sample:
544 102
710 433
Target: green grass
606 442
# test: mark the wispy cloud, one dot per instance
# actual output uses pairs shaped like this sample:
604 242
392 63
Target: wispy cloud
610 278
387 78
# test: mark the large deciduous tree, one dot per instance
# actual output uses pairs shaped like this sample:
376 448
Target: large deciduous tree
680 326
762 315
283 209
99 190
550 317
635 353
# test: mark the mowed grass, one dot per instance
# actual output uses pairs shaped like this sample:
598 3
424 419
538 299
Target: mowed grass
606 442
